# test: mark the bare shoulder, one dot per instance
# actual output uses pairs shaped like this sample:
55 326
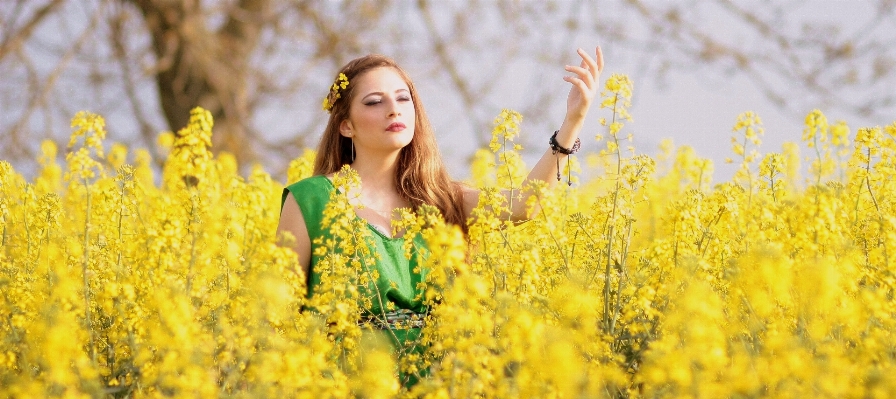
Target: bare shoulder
470 198
291 211
292 222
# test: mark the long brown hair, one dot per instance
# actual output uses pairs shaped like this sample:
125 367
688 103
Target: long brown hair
421 177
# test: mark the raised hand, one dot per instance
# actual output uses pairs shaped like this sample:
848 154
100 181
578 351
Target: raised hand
584 86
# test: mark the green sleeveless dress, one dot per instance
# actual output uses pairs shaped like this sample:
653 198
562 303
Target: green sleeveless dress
399 278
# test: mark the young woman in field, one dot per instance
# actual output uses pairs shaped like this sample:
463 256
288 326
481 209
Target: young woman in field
378 126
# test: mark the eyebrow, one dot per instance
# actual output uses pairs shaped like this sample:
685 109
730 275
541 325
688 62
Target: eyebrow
379 93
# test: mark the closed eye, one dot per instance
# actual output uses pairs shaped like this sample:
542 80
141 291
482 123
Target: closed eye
375 101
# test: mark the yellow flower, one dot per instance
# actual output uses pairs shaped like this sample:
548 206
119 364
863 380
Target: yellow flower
644 280
334 93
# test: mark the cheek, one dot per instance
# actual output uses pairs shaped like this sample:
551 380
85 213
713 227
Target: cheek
362 118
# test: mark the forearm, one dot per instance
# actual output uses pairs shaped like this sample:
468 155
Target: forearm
546 169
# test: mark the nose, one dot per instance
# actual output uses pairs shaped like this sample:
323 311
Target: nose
394 108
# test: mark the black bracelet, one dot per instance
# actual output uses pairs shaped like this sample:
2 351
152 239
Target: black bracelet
556 147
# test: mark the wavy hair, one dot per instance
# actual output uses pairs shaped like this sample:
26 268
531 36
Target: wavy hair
421 177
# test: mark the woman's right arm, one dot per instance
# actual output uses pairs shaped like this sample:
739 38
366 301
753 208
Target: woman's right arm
291 220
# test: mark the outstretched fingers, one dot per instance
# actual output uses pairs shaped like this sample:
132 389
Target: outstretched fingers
589 64
586 74
598 61
581 73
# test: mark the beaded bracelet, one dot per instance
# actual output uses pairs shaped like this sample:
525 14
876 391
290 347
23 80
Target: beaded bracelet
556 147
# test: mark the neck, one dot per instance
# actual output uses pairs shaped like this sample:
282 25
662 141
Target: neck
377 172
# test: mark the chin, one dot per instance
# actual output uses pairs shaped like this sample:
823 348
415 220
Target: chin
404 139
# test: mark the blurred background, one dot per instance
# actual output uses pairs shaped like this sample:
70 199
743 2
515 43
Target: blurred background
262 67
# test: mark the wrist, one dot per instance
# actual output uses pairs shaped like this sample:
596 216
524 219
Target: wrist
568 133
557 147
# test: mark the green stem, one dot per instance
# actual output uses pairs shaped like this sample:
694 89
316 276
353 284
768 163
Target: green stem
623 277
611 223
881 241
192 227
556 242
27 232
818 157
509 178
88 322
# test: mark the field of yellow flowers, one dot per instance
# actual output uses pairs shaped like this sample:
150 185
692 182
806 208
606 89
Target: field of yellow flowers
647 281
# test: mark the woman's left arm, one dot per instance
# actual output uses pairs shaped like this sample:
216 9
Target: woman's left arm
584 83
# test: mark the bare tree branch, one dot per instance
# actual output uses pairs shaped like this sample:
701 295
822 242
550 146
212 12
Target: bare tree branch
39 97
815 60
447 62
14 41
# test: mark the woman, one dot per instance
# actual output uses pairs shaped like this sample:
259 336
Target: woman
378 125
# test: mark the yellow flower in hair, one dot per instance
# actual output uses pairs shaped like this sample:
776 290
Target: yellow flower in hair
334 94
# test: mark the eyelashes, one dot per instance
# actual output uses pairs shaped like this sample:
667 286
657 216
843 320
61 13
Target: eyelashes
378 101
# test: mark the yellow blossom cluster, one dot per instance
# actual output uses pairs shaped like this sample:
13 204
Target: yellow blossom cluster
334 94
648 281
509 167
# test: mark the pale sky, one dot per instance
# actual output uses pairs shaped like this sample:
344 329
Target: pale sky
699 109
692 107
695 106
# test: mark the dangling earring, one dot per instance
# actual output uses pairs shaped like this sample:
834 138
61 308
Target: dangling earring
353 150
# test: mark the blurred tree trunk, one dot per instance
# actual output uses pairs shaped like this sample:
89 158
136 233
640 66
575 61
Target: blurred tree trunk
198 66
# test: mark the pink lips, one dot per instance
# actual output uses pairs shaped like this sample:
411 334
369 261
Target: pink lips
396 127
